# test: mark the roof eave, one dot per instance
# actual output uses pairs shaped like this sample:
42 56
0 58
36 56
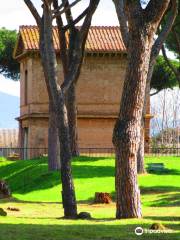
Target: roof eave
22 55
26 52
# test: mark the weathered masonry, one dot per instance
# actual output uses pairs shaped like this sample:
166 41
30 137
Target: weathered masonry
99 88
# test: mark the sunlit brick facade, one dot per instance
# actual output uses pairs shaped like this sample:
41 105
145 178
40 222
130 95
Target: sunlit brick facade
99 90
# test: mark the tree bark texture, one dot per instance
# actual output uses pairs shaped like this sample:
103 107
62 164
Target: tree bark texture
72 119
72 53
140 155
48 58
56 91
52 139
142 26
171 15
72 63
126 136
68 192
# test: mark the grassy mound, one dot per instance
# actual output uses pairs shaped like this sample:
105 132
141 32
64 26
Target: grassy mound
36 193
30 180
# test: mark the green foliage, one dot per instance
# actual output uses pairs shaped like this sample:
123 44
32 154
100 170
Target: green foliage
8 66
163 77
171 42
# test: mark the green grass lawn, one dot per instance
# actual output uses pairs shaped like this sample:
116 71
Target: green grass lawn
37 193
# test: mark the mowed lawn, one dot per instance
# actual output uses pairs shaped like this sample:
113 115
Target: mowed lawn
37 193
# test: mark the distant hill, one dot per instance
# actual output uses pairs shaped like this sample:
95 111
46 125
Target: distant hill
9 110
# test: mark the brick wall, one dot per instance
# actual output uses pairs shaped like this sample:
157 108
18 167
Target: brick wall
98 93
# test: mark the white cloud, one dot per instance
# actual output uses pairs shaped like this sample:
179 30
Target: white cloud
9 86
104 15
15 13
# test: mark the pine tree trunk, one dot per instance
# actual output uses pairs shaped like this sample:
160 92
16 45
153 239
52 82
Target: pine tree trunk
140 155
68 192
138 27
49 63
58 153
128 203
72 120
52 139
126 135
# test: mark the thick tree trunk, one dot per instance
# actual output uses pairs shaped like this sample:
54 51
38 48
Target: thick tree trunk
126 136
58 153
72 119
52 139
140 155
49 63
136 24
68 192
128 203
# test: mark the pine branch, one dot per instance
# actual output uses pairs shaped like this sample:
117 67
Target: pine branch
33 11
166 29
170 65
155 10
121 13
87 21
62 39
66 6
78 19
176 39
154 93
68 12
82 35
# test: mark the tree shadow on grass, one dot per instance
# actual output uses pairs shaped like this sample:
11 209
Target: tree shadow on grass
87 171
165 171
77 231
32 175
16 200
163 218
89 201
158 189
18 166
168 200
90 159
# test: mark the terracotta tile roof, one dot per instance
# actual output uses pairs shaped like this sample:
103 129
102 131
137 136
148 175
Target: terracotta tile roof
100 39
